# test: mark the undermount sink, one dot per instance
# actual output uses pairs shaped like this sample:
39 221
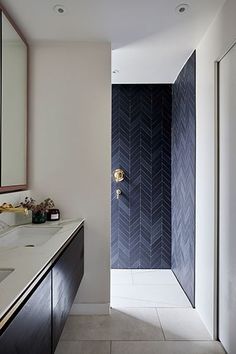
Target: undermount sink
27 236
4 273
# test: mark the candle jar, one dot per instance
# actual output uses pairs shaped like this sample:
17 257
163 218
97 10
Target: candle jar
53 215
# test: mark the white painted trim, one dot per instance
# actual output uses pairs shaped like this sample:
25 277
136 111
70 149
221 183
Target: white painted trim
216 203
217 193
90 309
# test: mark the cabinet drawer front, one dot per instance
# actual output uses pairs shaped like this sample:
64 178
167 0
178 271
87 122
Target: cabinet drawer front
67 274
30 331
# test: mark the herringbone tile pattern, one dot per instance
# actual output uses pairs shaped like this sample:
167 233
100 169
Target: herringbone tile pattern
183 177
141 145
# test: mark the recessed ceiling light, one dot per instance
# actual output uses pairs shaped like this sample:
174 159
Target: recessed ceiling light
116 71
182 8
59 9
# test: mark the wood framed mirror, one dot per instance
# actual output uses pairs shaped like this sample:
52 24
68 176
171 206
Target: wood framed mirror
14 106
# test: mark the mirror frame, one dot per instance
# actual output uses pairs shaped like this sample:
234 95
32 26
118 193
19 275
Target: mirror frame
20 187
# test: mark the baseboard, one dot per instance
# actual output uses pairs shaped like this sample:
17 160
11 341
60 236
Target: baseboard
90 309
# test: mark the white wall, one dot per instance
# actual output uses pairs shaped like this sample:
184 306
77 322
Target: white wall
216 41
70 143
227 222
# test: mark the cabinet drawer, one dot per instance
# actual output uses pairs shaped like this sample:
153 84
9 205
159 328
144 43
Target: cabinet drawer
67 274
30 330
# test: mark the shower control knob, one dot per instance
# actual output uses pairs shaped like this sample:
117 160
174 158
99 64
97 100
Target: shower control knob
118 193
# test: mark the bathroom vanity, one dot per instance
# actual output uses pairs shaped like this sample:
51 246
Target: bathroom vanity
38 284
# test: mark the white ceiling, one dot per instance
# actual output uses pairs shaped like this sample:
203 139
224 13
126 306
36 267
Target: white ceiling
150 41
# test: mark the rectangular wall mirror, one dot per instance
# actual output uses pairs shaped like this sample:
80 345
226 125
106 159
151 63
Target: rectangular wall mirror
14 63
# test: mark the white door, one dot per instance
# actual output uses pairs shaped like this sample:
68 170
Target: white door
227 202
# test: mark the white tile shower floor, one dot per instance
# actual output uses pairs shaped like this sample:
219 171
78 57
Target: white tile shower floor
146 288
150 315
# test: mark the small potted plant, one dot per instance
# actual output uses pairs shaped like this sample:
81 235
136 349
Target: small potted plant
39 211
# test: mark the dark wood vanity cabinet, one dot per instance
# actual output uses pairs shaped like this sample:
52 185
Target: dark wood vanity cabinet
30 330
37 326
67 274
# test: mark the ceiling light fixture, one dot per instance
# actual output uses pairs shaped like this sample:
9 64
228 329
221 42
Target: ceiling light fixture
182 8
59 9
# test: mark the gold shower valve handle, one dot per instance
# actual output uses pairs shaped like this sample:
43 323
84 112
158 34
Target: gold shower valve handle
118 175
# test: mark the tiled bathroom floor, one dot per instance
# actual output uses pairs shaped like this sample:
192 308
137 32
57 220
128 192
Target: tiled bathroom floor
144 319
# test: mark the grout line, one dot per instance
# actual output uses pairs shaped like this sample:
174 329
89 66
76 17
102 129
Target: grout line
148 307
144 307
159 340
137 340
132 277
160 324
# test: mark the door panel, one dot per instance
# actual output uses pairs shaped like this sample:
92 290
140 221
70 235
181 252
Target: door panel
67 274
227 209
30 331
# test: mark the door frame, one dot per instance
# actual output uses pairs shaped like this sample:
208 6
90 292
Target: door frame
217 191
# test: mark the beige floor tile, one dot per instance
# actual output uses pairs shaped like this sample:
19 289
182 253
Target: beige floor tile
182 324
123 324
166 348
85 347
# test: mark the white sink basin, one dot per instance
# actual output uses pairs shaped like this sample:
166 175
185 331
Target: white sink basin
4 273
27 236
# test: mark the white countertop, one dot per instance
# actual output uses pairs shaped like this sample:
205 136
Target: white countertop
28 263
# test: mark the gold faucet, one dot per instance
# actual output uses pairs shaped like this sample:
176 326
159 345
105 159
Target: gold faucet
9 208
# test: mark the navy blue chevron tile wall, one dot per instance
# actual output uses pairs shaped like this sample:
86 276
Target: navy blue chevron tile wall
183 177
141 146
